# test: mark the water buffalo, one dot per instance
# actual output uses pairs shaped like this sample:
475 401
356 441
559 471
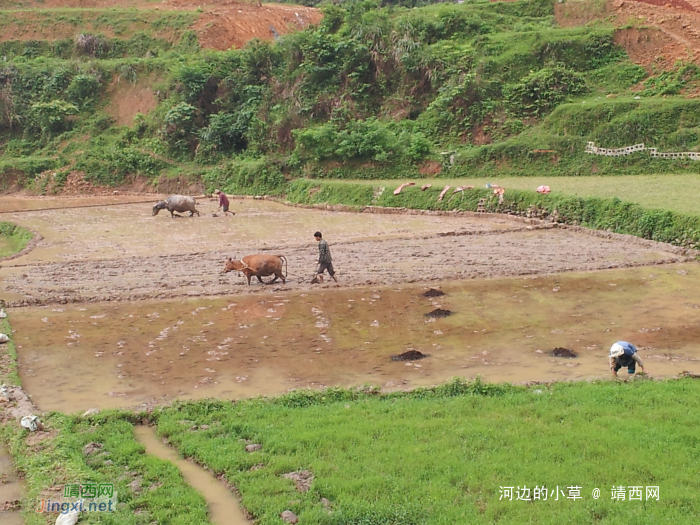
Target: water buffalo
177 203
260 265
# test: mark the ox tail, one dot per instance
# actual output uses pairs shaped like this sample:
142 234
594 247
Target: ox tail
284 259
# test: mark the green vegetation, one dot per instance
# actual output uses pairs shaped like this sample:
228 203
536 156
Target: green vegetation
372 92
149 489
9 374
13 239
427 456
661 192
440 456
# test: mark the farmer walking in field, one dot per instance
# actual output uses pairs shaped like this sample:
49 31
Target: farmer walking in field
223 202
325 262
622 354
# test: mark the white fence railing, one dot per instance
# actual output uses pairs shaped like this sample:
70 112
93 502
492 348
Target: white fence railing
592 149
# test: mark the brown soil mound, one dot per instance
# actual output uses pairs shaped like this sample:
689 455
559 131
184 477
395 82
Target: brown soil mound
232 24
439 312
433 293
410 355
563 352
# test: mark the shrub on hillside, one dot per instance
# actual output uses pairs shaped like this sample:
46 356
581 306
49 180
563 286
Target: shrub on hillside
543 90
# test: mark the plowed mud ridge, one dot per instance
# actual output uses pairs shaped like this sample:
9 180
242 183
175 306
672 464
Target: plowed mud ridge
121 252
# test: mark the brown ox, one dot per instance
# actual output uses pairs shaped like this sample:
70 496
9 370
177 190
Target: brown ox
260 265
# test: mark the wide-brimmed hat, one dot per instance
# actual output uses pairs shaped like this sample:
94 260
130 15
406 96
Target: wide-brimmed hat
616 350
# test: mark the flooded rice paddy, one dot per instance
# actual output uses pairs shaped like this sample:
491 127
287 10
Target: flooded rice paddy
175 328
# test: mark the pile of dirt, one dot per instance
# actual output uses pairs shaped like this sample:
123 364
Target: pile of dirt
439 312
433 293
232 24
563 352
410 355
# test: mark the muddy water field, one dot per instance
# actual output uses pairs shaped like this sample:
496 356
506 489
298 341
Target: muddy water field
117 308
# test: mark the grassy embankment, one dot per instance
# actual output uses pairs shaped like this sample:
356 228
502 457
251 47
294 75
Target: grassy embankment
440 456
661 192
13 238
432 456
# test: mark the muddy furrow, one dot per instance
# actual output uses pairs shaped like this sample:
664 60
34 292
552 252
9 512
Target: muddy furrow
372 262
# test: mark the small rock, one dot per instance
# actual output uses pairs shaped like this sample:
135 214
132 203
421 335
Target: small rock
70 518
109 462
91 448
203 427
302 479
135 485
253 448
92 412
289 517
325 503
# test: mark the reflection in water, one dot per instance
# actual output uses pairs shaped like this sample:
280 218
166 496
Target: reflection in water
127 353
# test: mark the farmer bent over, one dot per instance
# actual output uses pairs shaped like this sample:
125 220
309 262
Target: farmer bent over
223 202
622 354
324 260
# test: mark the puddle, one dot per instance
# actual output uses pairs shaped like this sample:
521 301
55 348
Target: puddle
224 508
125 354
11 490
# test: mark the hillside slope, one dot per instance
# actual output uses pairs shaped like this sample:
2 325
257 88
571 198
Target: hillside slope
360 91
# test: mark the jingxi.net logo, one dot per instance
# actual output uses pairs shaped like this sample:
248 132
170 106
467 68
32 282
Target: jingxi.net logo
86 497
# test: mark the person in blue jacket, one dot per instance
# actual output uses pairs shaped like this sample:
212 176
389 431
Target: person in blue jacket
622 354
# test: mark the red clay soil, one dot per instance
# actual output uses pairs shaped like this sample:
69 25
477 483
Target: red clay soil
221 25
126 100
678 4
232 24
659 33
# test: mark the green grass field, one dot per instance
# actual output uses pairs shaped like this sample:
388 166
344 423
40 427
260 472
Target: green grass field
13 239
664 192
443 456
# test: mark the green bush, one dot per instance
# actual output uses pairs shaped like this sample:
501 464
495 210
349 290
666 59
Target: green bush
246 176
83 91
543 90
51 117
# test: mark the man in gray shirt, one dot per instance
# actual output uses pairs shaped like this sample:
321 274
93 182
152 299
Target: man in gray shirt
325 262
